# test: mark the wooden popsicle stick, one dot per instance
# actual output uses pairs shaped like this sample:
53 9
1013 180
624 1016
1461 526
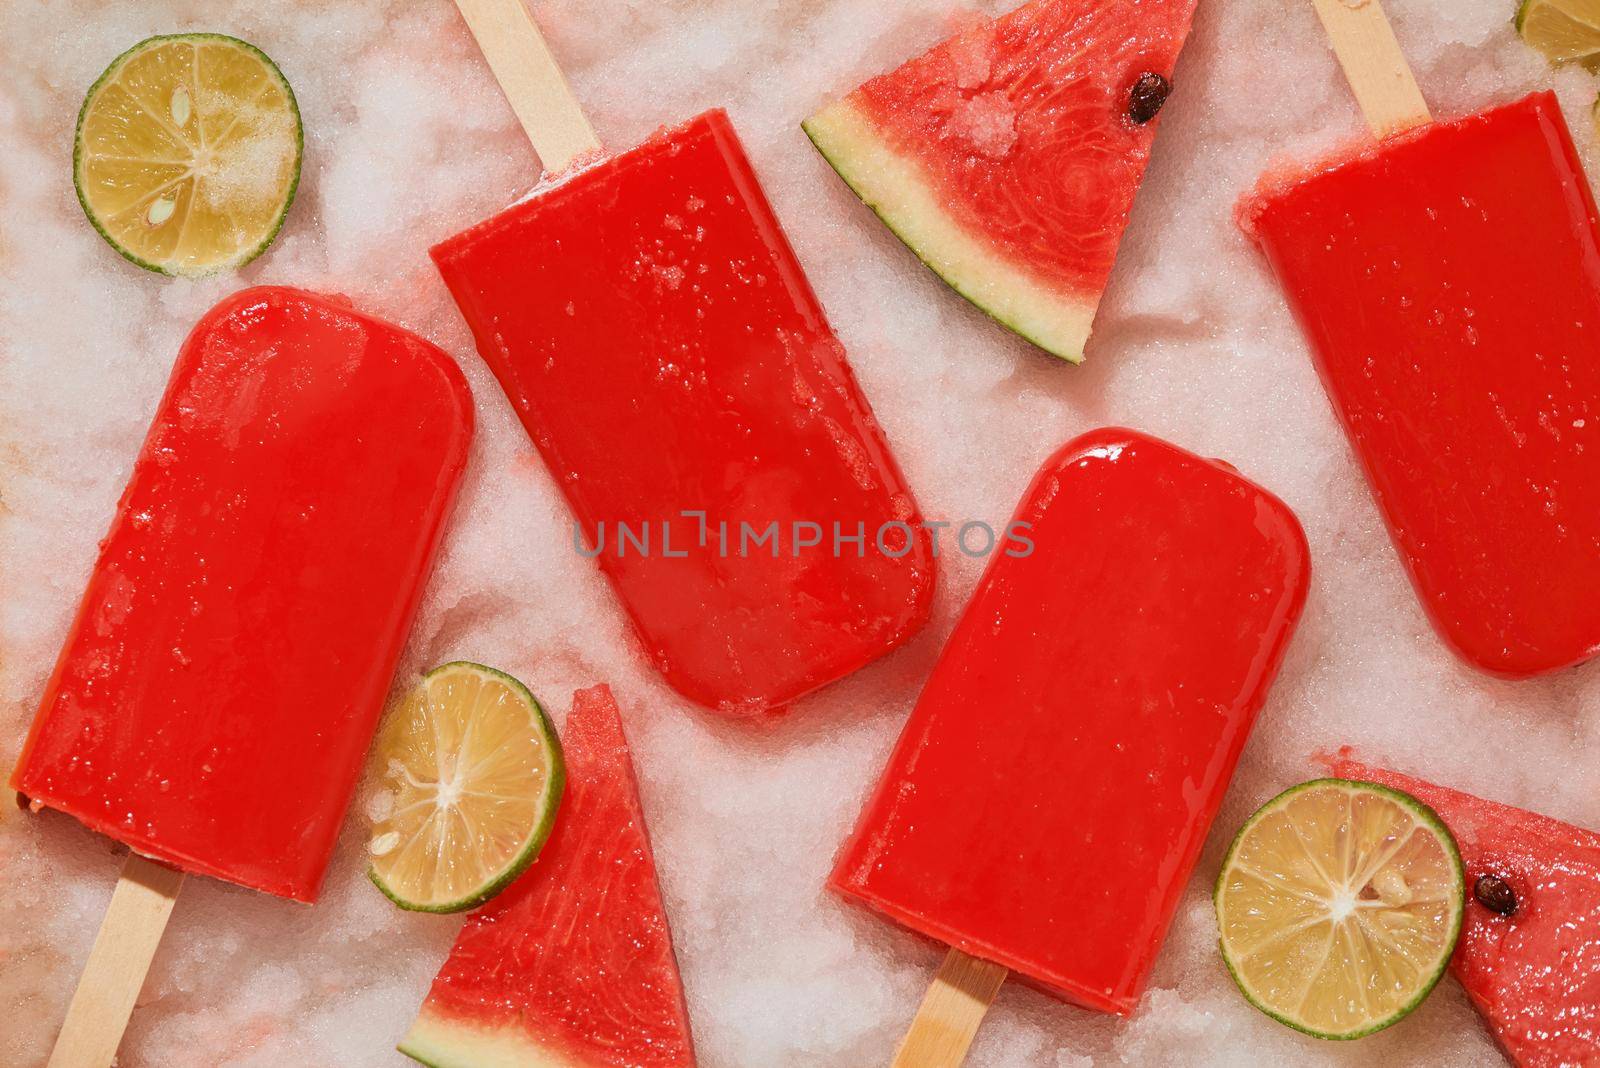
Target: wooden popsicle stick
951 1011
1373 64
527 72
122 952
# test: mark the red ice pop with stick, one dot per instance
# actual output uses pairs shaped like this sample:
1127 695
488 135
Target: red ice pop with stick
1448 281
651 326
219 687
1050 794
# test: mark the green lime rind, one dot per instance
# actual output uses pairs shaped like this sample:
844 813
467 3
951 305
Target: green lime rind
1426 816
555 785
78 152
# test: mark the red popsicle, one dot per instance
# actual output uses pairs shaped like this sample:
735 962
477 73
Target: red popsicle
651 326
219 686
1053 787
218 689
1448 281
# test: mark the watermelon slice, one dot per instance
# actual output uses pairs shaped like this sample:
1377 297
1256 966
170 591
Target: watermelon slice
1533 974
1007 156
572 966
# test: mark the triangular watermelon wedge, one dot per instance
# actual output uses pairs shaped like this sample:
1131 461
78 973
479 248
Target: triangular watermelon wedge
1007 156
572 966
1535 974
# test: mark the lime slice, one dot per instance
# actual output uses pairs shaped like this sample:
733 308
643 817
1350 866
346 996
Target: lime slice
1565 31
471 779
188 153
1339 904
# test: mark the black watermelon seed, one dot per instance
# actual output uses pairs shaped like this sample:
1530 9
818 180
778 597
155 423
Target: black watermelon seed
1149 92
1495 894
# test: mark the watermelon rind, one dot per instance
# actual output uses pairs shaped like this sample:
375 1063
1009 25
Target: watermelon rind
447 1042
893 185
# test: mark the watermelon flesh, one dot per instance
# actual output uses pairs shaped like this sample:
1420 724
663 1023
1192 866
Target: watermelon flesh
1007 157
1535 974
572 966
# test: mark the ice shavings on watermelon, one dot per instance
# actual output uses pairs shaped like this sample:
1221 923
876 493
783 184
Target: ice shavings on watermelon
1006 157
572 966
1535 974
